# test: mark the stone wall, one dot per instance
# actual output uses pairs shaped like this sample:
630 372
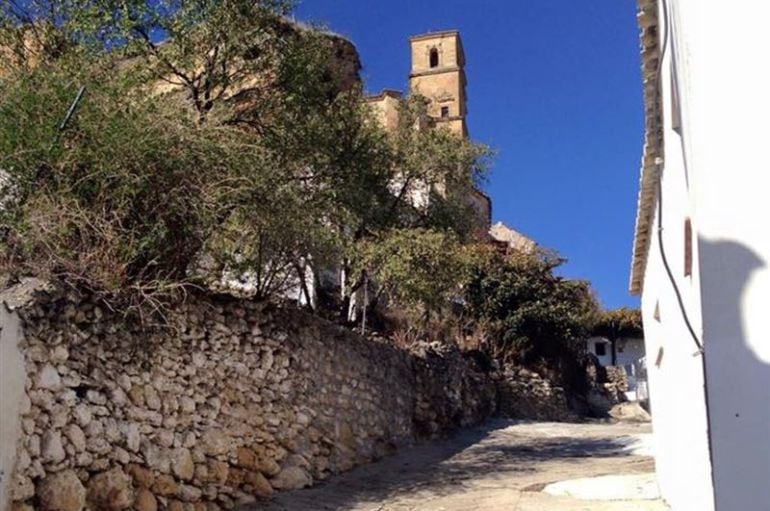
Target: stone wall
607 387
523 394
617 381
232 401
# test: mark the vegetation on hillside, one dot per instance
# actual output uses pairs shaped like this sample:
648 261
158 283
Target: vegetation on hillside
232 145
534 314
216 138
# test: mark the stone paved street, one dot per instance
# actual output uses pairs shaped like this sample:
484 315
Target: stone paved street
500 466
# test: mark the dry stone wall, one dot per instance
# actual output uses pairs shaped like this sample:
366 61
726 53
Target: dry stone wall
235 400
607 387
523 394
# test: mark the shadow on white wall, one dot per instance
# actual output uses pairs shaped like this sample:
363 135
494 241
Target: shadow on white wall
736 330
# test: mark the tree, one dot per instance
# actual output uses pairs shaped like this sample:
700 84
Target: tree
111 204
618 324
434 172
535 315
146 178
417 267
235 144
430 175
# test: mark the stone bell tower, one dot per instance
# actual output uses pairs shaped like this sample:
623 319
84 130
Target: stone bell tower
438 73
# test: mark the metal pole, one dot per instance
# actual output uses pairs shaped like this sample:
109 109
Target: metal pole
70 113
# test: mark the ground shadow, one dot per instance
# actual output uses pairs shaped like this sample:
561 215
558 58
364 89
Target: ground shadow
436 467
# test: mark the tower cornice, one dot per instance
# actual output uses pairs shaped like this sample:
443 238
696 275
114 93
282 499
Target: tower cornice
437 71
434 35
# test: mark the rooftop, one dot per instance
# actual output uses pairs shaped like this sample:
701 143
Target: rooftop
393 93
647 19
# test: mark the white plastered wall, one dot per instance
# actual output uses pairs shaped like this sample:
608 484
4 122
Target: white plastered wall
12 378
726 48
674 365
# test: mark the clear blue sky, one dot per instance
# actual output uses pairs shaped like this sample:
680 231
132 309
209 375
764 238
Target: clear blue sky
554 86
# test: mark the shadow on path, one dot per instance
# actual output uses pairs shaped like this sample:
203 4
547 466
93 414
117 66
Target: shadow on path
499 454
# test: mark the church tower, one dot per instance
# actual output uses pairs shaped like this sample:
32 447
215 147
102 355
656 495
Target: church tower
438 73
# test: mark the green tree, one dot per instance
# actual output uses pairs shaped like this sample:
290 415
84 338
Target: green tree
431 174
237 144
146 178
434 172
125 198
417 267
536 316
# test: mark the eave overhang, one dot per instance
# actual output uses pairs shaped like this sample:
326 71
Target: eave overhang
647 19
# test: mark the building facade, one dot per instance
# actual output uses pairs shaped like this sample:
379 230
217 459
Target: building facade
702 250
438 75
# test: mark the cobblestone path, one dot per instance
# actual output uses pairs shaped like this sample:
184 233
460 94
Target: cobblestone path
500 466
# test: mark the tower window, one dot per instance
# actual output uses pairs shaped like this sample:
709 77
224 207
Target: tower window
444 112
434 58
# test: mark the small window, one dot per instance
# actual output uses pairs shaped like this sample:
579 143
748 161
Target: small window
434 58
687 247
444 112
659 358
601 349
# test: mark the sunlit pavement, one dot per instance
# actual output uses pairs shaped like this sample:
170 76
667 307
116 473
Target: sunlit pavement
502 465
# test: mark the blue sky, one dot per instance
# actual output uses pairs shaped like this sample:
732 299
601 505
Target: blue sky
554 86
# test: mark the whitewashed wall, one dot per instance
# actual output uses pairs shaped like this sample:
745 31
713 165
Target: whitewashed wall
728 113
629 351
724 82
675 372
630 355
12 378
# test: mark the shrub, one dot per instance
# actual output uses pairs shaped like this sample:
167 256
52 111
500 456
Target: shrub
232 147
535 316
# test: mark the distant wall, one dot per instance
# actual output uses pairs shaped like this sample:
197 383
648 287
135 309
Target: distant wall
236 400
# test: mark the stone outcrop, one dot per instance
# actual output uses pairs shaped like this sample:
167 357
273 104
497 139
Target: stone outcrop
630 412
232 401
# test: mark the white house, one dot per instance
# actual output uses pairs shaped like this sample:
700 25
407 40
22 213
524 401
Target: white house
628 351
629 354
702 249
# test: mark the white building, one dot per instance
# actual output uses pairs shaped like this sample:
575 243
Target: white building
702 249
628 351
629 354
